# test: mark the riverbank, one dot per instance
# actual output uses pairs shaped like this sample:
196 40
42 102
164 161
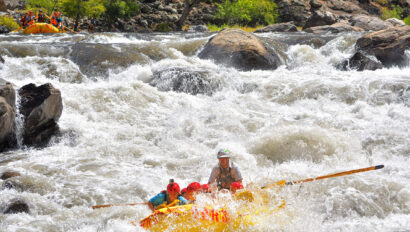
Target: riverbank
163 15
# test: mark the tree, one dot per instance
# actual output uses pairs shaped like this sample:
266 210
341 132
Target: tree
80 8
47 5
188 5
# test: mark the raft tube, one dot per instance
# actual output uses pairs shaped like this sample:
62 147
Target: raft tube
41 28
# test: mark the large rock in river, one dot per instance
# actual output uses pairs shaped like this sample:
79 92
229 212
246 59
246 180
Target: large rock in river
370 23
334 28
7 114
240 49
42 107
388 46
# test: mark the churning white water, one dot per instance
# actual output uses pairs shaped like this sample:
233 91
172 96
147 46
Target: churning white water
123 139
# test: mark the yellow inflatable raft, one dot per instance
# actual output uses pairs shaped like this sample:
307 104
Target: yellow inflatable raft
199 218
41 28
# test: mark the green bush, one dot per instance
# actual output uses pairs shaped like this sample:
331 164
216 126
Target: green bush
395 12
121 9
382 2
8 22
163 27
247 12
47 5
407 20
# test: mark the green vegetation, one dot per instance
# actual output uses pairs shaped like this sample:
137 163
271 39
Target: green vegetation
163 27
407 20
121 9
395 12
8 22
212 27
382 2
47 5
247 12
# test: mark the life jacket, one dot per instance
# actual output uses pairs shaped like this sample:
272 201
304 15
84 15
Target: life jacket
23 20
53 21
224 179
167 200
30 20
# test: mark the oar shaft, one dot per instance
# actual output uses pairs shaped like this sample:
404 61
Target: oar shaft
336 174
110 205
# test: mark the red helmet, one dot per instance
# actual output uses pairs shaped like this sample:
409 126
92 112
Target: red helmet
237 185
184 190
31 11
27 12
173 187
194 186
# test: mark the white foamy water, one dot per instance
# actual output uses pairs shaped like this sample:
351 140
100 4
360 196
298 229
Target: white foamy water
124 139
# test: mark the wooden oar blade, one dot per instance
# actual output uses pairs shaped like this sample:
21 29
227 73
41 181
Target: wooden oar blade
110 205
277 184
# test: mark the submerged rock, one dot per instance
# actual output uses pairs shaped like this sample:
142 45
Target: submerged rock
361 62
198 28
186 81
280 27
17 206
42 107
240 49
388 46
9 174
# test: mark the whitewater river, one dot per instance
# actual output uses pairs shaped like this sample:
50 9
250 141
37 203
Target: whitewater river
123 139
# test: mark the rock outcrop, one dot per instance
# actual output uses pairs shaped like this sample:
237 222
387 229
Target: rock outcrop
241 50
280 27
7 114
334 28
369 23
41 107
388 46
320 19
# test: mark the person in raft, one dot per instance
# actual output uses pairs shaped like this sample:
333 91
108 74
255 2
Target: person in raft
166 197
226 172
191 190
235 186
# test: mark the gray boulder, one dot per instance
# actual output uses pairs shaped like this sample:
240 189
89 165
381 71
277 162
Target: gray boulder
320 19
369 23
334 28
388 46
280 27
7 114
198 28
395 22
42 107
7 91
15 4
240 49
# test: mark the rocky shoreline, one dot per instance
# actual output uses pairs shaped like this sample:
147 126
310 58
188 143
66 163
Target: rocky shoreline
163 15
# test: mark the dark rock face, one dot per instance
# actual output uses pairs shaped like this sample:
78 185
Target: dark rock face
241 50
297 11
187 81
334 28
1 59
320 19
42 107
280 27
361 62
388 46
17 206
9 174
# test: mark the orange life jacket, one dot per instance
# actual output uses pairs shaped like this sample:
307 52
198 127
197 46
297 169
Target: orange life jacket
53 21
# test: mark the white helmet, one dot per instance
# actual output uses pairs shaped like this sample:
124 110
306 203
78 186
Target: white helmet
224 153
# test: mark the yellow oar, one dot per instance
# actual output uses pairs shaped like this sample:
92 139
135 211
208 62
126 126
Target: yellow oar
110 205
17 30
283 182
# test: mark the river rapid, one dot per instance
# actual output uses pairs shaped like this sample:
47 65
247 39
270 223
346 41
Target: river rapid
123 139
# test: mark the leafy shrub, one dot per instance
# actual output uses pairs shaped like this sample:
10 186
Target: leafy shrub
121 9
382 2
395 12
8 22
407 20
247 12
47 5
163 27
